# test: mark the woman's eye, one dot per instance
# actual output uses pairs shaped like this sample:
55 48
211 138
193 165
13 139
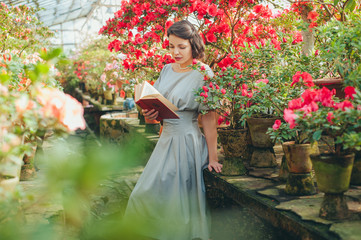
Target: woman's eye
183 47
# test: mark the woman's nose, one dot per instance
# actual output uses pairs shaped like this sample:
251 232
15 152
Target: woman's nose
176 51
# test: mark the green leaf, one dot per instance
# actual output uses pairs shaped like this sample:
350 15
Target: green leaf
335 2
350 5
317 135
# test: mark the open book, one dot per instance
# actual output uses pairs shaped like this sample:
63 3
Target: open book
147 97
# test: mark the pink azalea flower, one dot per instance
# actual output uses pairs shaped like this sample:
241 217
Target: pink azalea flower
290 117
295 104
277 124
262 80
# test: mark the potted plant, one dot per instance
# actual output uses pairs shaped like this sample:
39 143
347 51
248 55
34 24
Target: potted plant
223 94
271 83
318 113
295 143
340 53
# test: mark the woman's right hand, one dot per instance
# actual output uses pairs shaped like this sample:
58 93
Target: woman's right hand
150 114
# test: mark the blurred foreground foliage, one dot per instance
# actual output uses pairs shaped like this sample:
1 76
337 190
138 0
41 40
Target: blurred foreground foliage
72 171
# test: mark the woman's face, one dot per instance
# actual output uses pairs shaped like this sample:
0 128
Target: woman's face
181 50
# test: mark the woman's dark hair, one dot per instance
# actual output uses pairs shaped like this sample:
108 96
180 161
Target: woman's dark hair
186 30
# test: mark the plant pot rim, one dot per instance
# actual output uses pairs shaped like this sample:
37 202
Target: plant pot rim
264 117
227 129
332 158
330 155
328 80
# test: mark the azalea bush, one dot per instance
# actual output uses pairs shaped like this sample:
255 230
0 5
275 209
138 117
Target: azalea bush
340 49
223 93
259 81
138 30
318 113
28 114
21 31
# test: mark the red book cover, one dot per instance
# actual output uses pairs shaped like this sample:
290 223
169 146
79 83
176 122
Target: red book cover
155 103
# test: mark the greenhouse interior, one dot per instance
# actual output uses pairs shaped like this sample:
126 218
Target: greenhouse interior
180 119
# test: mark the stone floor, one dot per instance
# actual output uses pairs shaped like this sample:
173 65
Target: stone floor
259 191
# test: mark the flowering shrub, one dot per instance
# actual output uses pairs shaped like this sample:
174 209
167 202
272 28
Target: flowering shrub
22 30
226 26
340 49
259 80
223 93
28 115
318 113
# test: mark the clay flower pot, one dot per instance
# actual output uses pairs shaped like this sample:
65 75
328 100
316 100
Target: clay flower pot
333 175
298 156
235 142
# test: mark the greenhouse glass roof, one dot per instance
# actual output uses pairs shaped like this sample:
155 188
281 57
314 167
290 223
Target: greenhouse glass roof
74 21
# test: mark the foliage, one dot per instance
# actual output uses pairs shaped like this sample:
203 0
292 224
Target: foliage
20 30
340 49
259 81
139 29
75 172
30 113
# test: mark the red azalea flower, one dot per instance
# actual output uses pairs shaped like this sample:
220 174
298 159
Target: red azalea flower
205 88
313 16
212 10
168 24
325 97
223 91
344 105
277 124
349 92
296 78
211 37
295 104
309 95
220 120
330 117
297 38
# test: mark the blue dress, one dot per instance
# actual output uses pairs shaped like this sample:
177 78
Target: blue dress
169 199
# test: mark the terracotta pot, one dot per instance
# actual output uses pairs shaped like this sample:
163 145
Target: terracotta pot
258 128
235 142
331 83
332 172
298 156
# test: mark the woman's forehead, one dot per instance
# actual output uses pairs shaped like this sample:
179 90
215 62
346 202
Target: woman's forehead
177 40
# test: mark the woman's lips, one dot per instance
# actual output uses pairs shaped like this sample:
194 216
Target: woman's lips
177 58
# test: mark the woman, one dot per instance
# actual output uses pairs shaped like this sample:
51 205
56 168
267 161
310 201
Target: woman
169 199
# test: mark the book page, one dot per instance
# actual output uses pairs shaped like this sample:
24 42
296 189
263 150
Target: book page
148 89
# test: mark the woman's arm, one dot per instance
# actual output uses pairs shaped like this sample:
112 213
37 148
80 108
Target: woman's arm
210 132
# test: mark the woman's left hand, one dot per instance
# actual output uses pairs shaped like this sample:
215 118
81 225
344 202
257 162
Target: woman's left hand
216 166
